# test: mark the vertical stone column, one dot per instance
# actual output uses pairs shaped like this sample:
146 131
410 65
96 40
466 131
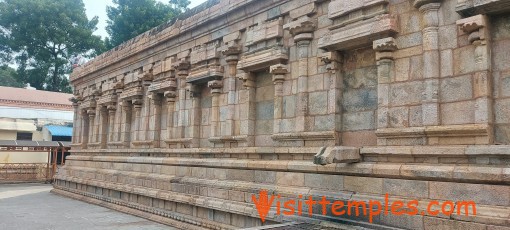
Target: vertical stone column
125 134
476 27
333 61
215 86
182 68
155 120
247 109
92 115
232 57
97 124
137 106
84 137
112 109
195 117
170 100
302 30
76 121
385 73
431 68
102 137
278 71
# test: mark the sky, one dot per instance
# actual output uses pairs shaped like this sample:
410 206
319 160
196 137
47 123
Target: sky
98 8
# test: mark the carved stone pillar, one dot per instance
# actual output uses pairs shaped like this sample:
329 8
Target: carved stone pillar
92 115
103 127
182 68
302 30
385 73
195 115
216 87
476 27
333 61
125 127
137 106
85 127
76 121
155 120
170 100
431 68
232 57
278 71
112 109
247 109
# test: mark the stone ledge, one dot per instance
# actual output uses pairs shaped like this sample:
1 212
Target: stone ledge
486 214
179 141
454 151
135 209
326 135
438 135
444 172
238 150
223 139
139 143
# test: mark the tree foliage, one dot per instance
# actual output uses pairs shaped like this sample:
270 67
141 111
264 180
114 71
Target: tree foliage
9 77
42 35
129 18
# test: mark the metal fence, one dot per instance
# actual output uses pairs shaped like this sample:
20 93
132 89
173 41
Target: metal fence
26 172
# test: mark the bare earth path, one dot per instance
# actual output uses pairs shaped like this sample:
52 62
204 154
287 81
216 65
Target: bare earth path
33 207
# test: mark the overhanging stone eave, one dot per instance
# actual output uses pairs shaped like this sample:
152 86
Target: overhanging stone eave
73 79
359 34
468 8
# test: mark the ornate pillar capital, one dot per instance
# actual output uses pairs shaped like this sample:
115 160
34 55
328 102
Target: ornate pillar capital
332 60
216 86
278 71
385 48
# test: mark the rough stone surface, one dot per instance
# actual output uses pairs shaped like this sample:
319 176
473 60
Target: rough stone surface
415 95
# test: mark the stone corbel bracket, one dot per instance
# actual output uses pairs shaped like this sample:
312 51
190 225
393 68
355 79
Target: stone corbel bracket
476 27
337 154
332 61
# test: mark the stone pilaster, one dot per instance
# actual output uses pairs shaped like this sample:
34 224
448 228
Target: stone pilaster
155 120
216 86
137 107
194 115
431 65
333 61
232 57
182 68
125 135
112 109
385 73
76 121
247 108
92 115
278 71
170 100
302 30
103 127
85 127
476 27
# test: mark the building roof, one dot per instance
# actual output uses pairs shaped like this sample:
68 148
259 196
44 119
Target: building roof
57 130
28 98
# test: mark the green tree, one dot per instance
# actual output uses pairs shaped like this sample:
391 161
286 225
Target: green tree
42 35
9 77
129 18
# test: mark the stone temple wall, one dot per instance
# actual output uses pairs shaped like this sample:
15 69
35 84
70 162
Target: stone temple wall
348 99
